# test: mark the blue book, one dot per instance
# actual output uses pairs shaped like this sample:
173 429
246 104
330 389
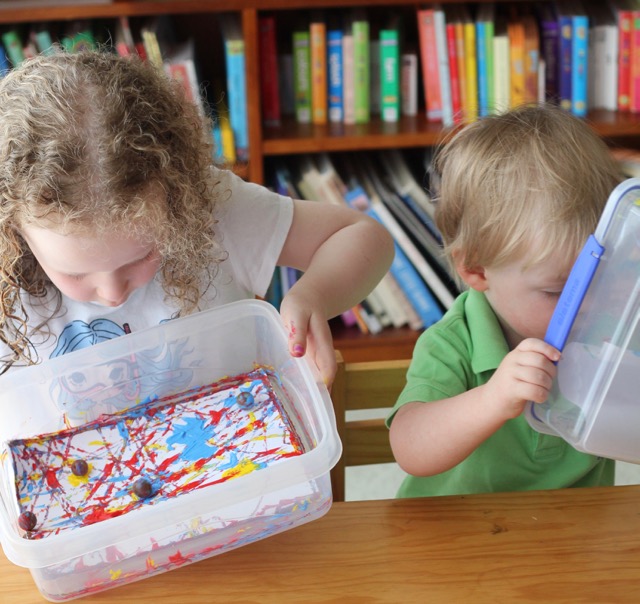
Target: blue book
5 66
236 85
579 57
565 46
334 75
484 58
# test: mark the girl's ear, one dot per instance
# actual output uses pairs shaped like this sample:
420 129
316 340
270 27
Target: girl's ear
473 276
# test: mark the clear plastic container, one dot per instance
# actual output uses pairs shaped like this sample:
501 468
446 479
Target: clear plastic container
595 400
161 361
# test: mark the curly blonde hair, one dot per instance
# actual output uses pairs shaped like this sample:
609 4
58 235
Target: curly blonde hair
95 142
522 184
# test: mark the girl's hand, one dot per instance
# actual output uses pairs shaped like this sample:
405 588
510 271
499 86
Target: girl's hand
525 374
309 333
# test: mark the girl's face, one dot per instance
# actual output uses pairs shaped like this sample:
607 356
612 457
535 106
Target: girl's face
105 270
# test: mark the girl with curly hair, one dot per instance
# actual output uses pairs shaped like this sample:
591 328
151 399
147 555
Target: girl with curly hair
113 218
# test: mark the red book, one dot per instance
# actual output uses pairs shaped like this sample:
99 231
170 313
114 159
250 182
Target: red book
624 59
429 59
634 79
454 75
269 82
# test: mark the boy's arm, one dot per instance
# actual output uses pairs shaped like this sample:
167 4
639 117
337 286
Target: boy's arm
430 438
343 254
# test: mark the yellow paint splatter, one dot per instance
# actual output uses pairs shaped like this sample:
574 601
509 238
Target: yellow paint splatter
115 574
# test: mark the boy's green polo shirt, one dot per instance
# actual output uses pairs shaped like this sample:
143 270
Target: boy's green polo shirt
458 353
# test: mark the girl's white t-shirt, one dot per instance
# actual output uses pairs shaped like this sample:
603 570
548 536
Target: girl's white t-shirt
253 223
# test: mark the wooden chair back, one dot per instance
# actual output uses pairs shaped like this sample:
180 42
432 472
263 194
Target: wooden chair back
363 386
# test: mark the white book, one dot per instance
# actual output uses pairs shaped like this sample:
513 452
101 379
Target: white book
443 66
501 71
376 304
348 79
388 293
413 319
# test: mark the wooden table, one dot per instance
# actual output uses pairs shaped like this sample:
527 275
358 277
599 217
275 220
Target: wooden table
575 545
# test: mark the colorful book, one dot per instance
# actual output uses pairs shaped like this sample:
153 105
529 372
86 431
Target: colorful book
361 72
235 63
335 75
390 75
124 43
484 45
12 43
458 25
624 19
634 88
443 66
429 62
470 70
409 84
565 50
501 68
41 37
453 50
318 57
549 49
515 30
375 84
5 66
302 75
348 78
268 58
603 53
579 64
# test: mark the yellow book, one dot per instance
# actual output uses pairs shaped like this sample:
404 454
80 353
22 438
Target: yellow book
471 72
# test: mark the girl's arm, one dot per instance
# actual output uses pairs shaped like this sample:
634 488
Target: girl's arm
430 438
343 254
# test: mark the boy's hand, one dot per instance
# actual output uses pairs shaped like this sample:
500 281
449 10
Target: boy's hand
525 374
309 333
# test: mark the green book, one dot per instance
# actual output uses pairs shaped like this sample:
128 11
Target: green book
389 75
13 46
302 75
361 84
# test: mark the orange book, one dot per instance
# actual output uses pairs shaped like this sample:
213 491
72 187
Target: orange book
515 31
459 41
430 68
318 50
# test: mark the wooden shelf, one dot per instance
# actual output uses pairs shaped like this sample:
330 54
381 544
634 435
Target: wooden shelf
390 344
198 18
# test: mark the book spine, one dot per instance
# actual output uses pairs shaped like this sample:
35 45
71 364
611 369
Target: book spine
389 75
564 65
361 74
550 49
501 74
516 69
461 60
634 88
237 93
430 69
318 51
335 75
302 75
409 84
454 77
5 66
443 68
269 85
13 46
624 59
348 96
579 67
375 83
470 72
483 69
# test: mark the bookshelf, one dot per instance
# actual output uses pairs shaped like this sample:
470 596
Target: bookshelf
200 19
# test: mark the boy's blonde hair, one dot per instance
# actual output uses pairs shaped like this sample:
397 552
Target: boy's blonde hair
93 142
521 185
